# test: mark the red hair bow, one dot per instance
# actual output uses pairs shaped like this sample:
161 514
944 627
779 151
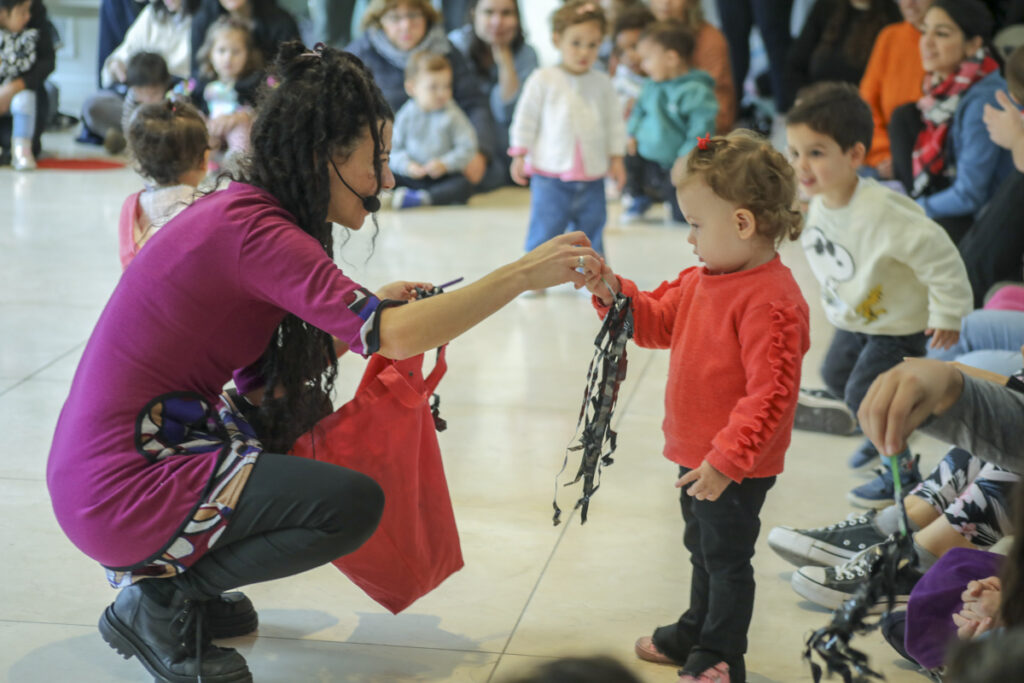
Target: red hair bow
702 142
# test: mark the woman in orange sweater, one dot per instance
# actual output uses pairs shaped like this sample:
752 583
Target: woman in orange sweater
737 328
710 54
893 77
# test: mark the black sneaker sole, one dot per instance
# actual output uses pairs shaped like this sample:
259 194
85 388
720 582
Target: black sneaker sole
811 553
123 640
832 598
824 420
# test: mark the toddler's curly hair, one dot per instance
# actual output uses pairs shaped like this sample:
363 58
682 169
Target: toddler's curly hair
743 168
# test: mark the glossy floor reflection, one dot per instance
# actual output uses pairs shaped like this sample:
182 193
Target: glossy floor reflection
529 591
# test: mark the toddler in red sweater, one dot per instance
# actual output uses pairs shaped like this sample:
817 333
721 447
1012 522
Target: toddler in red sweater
737 328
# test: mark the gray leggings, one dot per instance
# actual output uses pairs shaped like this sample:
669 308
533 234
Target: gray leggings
294 514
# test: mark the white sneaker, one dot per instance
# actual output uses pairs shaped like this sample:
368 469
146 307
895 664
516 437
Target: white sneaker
22 158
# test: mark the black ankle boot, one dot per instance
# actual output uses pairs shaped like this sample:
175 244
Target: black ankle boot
230 615
169 638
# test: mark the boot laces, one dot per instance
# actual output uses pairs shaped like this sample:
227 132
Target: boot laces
190 634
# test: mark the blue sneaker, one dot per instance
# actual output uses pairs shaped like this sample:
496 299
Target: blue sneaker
634 208
865 454
408 198
880 492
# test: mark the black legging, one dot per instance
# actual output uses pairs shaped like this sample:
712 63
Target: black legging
993 249
904 126
294 514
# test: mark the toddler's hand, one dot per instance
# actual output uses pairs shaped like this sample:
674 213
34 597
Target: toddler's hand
617 171
435 169
119 70
1004 124
708 483
631 147
942 339
595 284
518 171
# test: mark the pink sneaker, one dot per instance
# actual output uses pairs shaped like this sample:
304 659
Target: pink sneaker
646 650
719 673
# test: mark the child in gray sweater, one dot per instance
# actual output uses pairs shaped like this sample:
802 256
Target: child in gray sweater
433 139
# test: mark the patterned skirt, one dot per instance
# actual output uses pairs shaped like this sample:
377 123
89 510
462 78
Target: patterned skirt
180 425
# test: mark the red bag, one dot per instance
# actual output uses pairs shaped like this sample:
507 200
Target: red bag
387 432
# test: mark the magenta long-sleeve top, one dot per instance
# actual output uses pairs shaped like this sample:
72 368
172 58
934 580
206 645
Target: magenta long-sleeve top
202 299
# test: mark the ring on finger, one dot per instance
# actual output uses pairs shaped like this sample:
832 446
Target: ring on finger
579 262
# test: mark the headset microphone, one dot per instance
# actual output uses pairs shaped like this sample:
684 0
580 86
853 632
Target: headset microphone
371 203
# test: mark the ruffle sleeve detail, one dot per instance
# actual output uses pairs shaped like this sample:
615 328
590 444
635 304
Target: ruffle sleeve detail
774 339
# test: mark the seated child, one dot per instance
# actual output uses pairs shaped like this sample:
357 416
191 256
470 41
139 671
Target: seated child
148 80
433 140
628 75
17 56
890 276
736 328
170 146
676 106
231 71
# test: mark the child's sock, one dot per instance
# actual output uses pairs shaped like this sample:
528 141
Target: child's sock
925 558
887 521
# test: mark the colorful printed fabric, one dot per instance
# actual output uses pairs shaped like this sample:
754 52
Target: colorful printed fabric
974 496
17 53
181 425
937 109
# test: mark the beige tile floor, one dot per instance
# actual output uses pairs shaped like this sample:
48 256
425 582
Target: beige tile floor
529 591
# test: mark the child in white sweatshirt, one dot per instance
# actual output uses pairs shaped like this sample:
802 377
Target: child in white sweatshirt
890 276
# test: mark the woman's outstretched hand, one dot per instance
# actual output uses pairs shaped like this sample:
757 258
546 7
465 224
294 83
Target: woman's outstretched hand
566 258
900 399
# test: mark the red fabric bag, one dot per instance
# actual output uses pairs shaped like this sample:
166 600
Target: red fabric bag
387 432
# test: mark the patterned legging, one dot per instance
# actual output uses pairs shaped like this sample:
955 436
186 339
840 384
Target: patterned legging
972 494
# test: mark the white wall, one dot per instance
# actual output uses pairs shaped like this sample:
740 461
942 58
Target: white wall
77 21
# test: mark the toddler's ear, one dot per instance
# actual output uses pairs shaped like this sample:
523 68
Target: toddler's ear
746 223
409 85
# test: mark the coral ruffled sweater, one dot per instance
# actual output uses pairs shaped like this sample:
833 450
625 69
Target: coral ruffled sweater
893 77
736 344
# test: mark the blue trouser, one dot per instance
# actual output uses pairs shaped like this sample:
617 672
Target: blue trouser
647 178
23 113
989 340
448 189
559 206
115 18
854 360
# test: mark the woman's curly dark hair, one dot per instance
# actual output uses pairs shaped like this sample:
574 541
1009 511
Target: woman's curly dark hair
323 105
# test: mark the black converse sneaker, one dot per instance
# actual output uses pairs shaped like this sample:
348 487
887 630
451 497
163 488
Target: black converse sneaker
831 586
826 545
817 410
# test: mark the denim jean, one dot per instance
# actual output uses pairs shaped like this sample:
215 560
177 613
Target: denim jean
23 112
646 178
989 340
854 360
558 206
772 19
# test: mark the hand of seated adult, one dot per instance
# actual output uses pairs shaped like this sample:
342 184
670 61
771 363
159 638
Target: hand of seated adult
1005 125
119 70
943 339
617 171
222 125
401 290
981 605
476 168
884 169
600 282
435 169
708 483
518 171
415 170
900 399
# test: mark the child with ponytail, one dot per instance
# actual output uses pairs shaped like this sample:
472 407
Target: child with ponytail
170 146
736 328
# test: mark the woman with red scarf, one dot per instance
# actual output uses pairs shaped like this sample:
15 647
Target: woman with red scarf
941 151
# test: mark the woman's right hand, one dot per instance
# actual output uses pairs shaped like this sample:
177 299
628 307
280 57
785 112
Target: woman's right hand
559 260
